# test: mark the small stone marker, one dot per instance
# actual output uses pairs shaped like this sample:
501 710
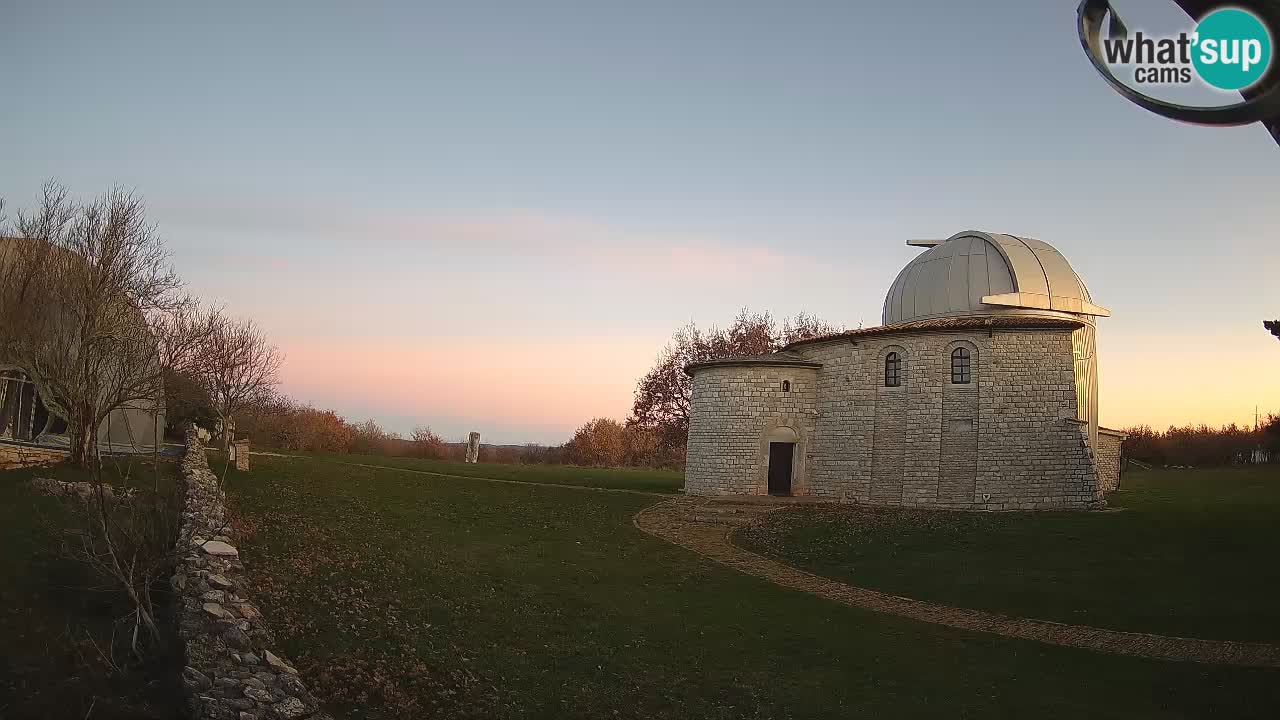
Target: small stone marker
473 447
240 454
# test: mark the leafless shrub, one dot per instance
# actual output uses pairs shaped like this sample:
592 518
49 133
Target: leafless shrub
427 444
89 308
126 540
241 367
662 394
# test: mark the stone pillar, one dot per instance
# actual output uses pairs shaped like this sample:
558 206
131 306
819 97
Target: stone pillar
240 453
473 447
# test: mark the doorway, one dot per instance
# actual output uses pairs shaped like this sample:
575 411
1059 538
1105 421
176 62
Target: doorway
781 455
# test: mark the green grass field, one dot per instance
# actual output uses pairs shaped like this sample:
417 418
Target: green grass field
56 617
1190 553
642 479
406 595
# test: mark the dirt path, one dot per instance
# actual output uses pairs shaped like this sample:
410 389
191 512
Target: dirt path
674 522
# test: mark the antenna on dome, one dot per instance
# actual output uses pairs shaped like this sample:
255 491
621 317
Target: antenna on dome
925 243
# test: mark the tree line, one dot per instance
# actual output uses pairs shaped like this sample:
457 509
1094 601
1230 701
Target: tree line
1201 445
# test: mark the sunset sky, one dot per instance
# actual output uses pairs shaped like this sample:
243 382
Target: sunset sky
491 216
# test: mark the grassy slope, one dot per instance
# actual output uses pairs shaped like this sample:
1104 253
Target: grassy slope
648 480
404 595
1192 553
48 666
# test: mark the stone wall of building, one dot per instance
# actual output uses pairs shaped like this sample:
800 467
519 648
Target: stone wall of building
231 672
1007 440
733 409
1034 451
1108 455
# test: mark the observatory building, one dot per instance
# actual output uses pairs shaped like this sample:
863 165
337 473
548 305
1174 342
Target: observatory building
979 392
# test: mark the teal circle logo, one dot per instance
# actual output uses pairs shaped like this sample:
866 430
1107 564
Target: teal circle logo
1232 49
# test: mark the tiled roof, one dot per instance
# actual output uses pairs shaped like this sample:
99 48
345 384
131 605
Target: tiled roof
946 323
775 359
785 358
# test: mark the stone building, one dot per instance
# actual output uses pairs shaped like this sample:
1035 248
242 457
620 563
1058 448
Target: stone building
979 391
30 428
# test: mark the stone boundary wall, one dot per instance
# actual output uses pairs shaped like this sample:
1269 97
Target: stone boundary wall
231 673
20 456
1108 455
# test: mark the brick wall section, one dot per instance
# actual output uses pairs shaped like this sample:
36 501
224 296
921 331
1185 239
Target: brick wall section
732 410
231 674
1006 441
1108 456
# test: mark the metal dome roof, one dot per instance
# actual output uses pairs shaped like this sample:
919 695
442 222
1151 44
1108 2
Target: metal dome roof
978 273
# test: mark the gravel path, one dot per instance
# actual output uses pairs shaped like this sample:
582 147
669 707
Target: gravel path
673 521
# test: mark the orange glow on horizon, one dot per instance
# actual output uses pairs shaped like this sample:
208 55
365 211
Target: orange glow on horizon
553 384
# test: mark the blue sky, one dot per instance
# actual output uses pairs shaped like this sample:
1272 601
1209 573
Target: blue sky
491 215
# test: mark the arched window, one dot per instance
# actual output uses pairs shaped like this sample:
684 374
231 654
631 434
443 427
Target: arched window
786 386
892 370
961 366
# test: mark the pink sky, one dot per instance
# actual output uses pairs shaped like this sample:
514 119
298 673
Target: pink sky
472 220
524 325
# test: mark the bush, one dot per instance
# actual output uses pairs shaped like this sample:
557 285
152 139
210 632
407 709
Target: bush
427 444
604 442
368 438
282 424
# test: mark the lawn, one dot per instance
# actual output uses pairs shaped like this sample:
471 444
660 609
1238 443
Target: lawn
642 479
409 595
1189 552
56 618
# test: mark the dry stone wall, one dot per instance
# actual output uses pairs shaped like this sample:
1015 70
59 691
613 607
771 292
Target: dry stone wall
231 672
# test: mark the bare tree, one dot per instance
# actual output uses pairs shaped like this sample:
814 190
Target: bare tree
805 327
91 310
427 444
662 395
241 368
84 291
601 442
